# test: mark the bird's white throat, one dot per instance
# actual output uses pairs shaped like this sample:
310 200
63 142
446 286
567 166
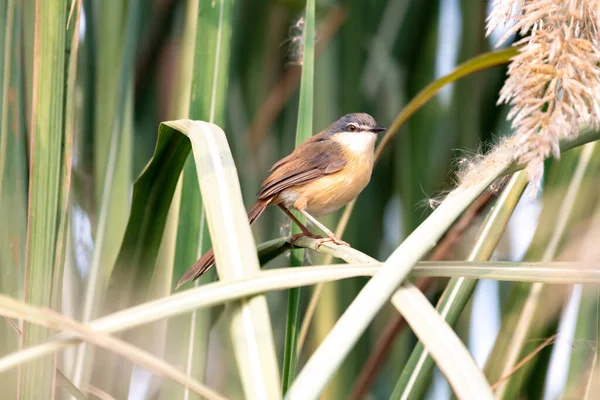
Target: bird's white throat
357 142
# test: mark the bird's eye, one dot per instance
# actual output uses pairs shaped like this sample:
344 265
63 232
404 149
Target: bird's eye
352 128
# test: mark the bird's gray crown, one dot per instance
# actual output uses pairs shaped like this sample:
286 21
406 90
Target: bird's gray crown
357 122
361 120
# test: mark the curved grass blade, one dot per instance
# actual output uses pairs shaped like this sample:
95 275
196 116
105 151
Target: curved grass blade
416 374
235 254
133 271
152 194
166 342
206 45
451 355
53 320
280 279
475 64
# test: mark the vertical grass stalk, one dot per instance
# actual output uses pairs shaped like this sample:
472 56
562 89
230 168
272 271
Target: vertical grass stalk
13 176
199 56
46 139
113 160
303 132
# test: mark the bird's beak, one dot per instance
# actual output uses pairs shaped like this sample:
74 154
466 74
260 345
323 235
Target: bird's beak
378 129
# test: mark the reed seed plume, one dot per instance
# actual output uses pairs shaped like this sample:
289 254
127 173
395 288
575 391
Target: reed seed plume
296 42
553 84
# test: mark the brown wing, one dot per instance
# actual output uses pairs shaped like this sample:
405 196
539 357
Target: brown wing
316 157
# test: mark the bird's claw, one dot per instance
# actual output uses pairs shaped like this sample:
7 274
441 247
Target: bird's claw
331 239
302 234
319 239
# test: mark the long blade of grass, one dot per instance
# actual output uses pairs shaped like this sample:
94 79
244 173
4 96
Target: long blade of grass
47 111
221 292
113 145
63 297
235 255
13 175
54 320
193 329
207 36
7 18
415 377
475 64
303 132
152 195
67 164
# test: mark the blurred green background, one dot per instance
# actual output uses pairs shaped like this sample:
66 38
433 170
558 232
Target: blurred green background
371 56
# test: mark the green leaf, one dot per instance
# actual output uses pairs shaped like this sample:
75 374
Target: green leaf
113 141
206 51
67 156
13 175
152 194
46 139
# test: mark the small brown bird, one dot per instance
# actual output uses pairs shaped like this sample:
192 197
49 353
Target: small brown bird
321 175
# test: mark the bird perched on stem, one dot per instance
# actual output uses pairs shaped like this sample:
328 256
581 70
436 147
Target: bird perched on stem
324 173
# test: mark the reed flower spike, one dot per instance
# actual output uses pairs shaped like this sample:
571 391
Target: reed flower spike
553 84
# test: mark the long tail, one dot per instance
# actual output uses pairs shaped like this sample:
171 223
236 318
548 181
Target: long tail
208 259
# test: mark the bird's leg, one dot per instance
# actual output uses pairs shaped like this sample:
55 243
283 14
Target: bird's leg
303 228
331 236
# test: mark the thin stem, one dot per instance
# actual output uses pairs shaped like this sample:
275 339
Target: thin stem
217 293
303 132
